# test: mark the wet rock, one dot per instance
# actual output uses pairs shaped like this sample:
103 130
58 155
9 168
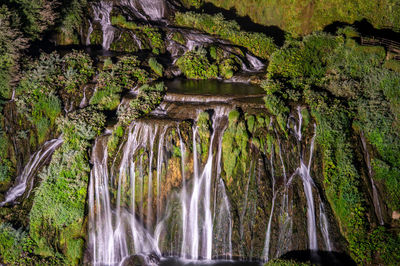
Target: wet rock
141 260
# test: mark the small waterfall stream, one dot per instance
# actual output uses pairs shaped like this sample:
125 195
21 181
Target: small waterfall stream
26 178
375 194
101 13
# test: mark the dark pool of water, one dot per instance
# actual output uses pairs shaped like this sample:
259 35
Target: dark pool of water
212 87
181 262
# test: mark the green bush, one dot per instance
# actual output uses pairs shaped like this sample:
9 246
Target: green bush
195 65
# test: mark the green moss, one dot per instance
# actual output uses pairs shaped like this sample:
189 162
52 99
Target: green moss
204 131
156 67
179 38
124 43
148 99
195 65
96 37
152 34
258 43
59 227
233 116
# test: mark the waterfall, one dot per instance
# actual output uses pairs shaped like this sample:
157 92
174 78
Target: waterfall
307 184
83 102
304 172
375 194
26 178
166 191
324 225
101 13
268 233
109 241
143 9
90 30
285 229
122 199
255 63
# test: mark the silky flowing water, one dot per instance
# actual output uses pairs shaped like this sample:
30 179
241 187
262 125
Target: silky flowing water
163 193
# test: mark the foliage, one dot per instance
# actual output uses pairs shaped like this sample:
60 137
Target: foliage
13 244
37 94
56 228
148 98
35 16
195 65
124 75
72 16
151 34
192 3
156 67
6 166
11 42
258 43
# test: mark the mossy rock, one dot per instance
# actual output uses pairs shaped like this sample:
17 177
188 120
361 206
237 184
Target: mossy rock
124 43
96 37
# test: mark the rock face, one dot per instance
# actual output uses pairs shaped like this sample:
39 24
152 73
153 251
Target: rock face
209 180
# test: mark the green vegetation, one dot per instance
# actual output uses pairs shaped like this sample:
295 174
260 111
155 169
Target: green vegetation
150 35
72 20
148 98
156 67
124 75
13 243
210 63
11 42
348 92
305 16
195 65
37 94
259 44
58 212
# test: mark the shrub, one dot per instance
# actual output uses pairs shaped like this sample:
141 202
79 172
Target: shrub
195 65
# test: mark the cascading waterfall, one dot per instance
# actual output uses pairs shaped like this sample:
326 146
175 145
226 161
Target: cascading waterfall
26 178
255 63
101 13
268 233
285 230
304 172
324 225
375 194
114 230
